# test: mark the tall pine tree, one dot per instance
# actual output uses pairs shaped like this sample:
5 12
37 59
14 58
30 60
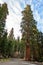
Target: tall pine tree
3 15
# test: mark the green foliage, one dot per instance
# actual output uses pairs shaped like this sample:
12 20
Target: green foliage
11 35
31 35
4 44
3 33
29 29
40 45
3 14
22 49
12 44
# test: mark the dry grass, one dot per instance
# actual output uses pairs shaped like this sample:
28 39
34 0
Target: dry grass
4 60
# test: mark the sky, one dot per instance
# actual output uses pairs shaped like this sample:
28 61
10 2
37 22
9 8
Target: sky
14 18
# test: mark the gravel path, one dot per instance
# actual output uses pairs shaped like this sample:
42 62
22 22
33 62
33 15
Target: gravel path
18 62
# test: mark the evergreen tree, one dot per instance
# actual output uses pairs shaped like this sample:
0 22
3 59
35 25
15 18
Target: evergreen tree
40 45
3 15
11 43
11 35
4 44
29 31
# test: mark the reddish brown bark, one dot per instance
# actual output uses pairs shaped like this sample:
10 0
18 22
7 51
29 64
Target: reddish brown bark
27 53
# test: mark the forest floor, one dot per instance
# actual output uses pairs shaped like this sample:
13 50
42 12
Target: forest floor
15 61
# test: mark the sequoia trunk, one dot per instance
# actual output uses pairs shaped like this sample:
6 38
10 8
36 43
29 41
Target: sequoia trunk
27 53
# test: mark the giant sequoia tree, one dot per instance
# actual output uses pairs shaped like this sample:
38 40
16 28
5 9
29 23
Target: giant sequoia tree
29 31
